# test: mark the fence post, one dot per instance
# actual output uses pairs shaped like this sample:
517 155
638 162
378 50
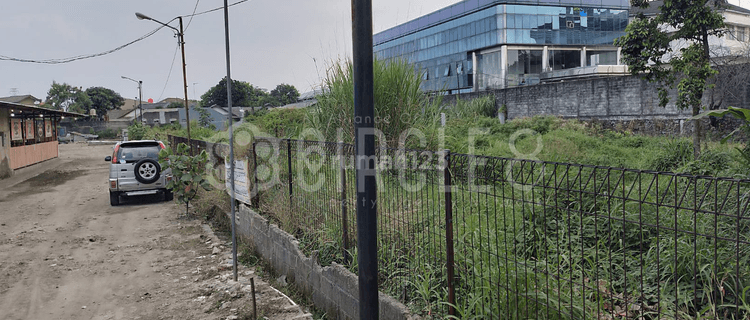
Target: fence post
344 216
449 234
289 167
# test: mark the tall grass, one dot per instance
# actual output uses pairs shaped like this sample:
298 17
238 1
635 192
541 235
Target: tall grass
399 103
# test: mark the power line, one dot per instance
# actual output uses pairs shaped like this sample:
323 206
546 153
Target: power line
81 57
192 15
216 9
89 56
170 72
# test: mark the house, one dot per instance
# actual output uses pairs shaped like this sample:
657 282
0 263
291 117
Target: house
219 115
27 100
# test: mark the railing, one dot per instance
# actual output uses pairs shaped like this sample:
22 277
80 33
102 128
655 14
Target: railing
507 238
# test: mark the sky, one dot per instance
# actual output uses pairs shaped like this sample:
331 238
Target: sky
271 42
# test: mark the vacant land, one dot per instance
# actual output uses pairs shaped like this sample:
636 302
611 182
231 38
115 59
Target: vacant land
65 253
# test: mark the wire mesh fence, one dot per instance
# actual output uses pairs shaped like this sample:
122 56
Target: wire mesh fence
506 238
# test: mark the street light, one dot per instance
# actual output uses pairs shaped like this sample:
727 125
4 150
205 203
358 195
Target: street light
140 94
181 42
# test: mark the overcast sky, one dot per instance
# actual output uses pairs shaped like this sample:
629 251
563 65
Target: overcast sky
272 42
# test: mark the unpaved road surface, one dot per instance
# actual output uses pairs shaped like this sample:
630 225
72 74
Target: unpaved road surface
65 253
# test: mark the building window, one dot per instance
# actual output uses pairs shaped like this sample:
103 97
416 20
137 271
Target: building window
596 58
740 33
564 59
524 61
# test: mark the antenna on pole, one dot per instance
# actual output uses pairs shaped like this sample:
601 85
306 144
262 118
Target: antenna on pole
13 91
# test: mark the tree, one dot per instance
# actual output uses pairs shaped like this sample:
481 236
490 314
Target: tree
217 95
285 93
67 98
204 118
648 51
103 100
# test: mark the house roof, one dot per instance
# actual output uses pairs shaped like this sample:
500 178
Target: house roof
18 99
117 113
23 111
654 8
236 112
301 104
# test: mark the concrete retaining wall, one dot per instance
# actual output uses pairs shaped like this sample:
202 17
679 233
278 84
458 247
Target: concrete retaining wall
333 289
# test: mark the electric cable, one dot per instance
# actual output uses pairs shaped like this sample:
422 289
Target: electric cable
89 56
170 73
81 57
192 15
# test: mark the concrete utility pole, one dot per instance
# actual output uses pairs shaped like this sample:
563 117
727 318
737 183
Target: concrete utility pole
364 110
231 141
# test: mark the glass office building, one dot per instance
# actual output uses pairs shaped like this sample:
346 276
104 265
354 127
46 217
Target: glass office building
484 44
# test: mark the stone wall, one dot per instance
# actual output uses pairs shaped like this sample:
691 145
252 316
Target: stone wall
333 289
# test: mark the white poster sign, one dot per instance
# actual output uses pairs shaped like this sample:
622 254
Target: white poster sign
241 181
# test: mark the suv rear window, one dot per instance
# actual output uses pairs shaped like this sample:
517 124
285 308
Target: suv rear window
133 152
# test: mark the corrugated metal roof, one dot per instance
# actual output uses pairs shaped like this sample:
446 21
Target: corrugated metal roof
22 109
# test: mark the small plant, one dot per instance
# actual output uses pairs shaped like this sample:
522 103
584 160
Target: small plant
187 173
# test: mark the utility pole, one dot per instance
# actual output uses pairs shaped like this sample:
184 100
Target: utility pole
184 80
140 98
231 142
367 231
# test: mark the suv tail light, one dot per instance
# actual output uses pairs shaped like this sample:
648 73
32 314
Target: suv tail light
161 144
114 156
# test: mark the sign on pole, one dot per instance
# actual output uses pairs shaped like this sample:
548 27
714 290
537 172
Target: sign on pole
241 180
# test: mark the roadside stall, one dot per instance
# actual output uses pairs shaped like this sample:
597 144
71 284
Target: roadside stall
28 135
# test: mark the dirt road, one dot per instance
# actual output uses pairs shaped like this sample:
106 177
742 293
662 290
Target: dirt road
65 253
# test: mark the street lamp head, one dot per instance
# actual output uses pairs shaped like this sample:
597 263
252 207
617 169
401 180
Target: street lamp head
142 16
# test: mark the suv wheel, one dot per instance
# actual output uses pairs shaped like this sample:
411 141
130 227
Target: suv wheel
147 171
114 198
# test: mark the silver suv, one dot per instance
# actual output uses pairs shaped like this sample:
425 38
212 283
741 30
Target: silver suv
134 171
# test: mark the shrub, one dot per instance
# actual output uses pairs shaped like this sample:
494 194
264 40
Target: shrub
107 134
673 154
137 131
284 123
710 162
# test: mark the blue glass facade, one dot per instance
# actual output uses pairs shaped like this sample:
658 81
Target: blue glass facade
443 44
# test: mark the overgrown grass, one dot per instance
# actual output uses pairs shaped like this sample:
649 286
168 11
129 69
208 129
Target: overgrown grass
577 242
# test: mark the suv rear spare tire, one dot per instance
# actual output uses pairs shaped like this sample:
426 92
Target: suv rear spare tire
147 171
